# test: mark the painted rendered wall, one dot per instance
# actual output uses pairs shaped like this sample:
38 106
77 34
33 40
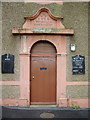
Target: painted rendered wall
75 16
77 91
0 44
89 40
10 91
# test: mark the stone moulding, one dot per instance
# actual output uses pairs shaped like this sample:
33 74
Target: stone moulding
43 10
43 31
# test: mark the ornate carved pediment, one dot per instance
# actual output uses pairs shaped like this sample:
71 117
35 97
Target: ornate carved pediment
43 22
43 19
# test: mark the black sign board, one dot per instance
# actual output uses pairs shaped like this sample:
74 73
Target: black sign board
7 63
78 65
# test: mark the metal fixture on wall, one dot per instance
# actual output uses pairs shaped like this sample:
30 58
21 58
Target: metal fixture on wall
73 47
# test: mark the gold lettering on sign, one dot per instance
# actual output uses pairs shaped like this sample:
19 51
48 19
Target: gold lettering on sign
44 21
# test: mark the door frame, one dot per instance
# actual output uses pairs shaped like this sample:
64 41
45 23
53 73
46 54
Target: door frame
60 43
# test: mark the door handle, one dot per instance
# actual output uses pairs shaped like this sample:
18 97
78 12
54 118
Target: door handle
33 77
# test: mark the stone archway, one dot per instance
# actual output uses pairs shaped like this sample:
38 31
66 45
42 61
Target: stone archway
52 30
61 66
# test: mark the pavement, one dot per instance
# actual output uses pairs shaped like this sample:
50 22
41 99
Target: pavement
45 113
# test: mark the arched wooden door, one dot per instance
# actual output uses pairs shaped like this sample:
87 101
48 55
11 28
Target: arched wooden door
43 73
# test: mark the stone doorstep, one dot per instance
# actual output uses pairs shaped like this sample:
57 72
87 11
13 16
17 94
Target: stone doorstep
43 106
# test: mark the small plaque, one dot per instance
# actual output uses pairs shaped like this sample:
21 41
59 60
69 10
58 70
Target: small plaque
7 63
78 65
43 20
43 68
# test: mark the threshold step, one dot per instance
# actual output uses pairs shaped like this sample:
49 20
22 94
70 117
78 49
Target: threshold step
43 106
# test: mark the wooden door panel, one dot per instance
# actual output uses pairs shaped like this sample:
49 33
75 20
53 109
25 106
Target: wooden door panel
43 85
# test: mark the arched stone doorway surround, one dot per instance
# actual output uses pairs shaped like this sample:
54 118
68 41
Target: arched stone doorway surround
43 26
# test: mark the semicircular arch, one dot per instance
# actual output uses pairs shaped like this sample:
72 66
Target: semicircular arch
43 47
